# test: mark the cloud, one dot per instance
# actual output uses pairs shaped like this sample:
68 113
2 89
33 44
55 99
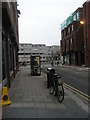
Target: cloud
40 19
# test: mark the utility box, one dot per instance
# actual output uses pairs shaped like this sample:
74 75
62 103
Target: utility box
35 65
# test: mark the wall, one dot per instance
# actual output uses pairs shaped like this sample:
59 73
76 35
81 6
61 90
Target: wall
0 58
0 44
86 18
10 42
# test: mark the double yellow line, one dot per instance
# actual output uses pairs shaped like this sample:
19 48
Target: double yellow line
85 96
44 74
77 91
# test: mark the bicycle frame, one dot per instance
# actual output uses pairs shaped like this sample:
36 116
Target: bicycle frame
54 88
54 83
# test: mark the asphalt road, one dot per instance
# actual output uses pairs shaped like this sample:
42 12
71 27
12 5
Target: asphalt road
77 78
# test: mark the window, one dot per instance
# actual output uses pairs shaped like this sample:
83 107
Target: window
70 41
64 33
77 15
11 57
74 17
22 49
72 28
67 58
73 58
67 43
4 68
27 53
20 53
68 29
22 45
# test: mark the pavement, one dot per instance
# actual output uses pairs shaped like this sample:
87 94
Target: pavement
31 99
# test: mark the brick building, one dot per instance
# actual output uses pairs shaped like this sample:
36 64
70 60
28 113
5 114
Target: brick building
10 42
86 19
72 39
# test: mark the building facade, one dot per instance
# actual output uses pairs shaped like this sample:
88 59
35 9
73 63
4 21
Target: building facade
10 42
86 19
45 52
0 54
72 42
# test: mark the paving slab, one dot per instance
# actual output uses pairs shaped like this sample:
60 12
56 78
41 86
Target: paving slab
31 99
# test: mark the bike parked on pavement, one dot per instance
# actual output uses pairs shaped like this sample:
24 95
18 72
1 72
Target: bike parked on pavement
56 87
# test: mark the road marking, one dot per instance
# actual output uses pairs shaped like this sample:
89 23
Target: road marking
38 105
77 91
44 74
77 100
85 96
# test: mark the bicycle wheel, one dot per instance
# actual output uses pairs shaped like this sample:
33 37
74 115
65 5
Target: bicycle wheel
60 93
51 90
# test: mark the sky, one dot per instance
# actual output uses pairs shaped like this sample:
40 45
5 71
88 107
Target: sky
40 20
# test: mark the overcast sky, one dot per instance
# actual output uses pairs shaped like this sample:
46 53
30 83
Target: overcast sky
39 22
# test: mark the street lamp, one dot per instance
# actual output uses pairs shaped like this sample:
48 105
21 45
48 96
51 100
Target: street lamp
81 22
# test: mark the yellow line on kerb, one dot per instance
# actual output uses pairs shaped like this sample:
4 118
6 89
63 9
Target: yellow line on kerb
74 90
44 74
77 91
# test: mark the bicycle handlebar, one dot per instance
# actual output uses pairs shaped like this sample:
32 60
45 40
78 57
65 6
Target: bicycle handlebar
56 75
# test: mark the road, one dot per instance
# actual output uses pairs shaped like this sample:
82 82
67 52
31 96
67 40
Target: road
77 78
30 98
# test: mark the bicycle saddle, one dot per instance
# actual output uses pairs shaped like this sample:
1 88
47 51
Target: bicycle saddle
55 75
59 77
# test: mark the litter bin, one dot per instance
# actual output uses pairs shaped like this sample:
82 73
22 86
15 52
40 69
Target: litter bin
50 73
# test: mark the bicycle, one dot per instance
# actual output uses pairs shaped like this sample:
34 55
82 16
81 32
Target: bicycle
56 87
